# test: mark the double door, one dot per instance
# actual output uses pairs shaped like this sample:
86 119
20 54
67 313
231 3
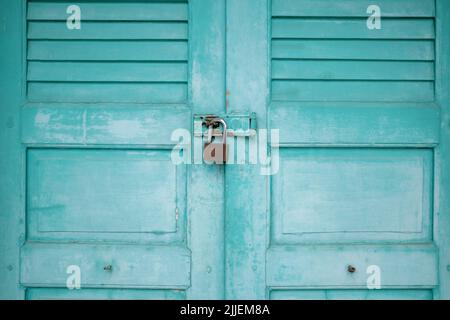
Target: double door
341 196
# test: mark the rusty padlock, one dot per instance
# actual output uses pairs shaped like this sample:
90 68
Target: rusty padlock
215 152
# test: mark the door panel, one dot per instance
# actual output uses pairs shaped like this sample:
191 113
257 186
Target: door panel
313 266
355 187
102 191
342 44
45 264
105 195
55 73
362 195
348 123
107 124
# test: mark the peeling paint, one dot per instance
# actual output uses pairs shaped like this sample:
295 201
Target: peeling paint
42 119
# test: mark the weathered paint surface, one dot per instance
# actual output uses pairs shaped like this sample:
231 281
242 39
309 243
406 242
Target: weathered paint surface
85 125
442 207
360 140
12 217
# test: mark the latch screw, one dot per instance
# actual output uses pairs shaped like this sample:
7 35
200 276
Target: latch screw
351 269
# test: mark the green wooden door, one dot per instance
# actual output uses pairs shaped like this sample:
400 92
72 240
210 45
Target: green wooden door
356 206
94 195
357 197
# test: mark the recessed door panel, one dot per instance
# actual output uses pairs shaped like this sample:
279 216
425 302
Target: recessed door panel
336 195
105 194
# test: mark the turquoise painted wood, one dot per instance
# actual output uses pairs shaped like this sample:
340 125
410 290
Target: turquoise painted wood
246 224
12 164
349 123
96 185
443 150
352 8
86 118
177 30
102 294
127 207
333 195
164 10
352 294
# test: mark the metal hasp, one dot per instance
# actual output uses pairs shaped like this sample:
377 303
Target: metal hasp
216 128
238 125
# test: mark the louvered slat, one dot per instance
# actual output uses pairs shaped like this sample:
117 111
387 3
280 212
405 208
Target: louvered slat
352 70
134 52
395 91
111 11
332 28
107 50
352 8
107 71
354 49
107 92
109 30
322 50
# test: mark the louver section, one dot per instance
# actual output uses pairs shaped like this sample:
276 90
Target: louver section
132 52
324 51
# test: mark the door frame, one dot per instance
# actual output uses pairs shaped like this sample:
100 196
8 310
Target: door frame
205 212
12 152
442 151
